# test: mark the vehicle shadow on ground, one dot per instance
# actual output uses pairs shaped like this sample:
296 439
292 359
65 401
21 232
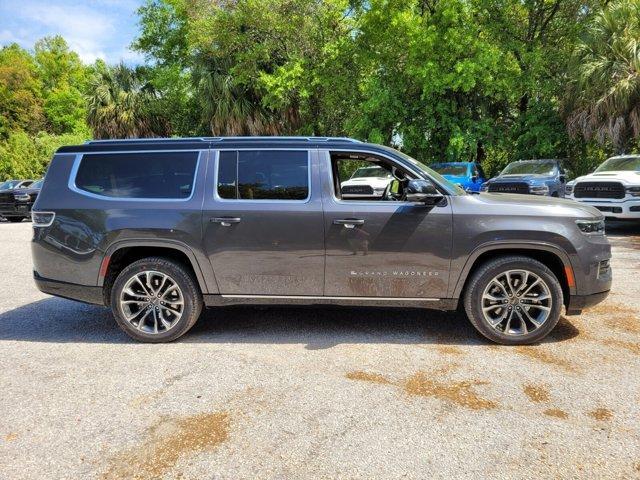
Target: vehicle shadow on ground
57 320
624 233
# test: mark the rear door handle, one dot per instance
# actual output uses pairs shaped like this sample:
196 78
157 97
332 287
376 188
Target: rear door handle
226 221
349 222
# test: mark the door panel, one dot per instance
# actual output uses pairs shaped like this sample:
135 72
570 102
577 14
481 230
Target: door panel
385 249
265 247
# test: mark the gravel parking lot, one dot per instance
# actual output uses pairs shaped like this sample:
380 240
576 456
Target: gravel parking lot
315 392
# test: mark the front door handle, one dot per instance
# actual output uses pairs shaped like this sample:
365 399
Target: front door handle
225 221
349 222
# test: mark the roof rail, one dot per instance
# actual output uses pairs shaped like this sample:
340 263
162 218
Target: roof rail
226 139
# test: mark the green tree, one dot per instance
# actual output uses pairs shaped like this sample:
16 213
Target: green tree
123 105
64 82
20 92
603 98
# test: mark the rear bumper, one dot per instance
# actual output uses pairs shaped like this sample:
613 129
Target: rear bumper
577 303
71 291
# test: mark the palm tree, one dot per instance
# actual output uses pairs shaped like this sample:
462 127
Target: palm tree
232 109
121 105
604 97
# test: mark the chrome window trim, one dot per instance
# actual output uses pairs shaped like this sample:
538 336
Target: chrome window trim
78 159
217 197
339 201
320 297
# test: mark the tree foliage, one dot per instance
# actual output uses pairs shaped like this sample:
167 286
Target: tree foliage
486 80
603 98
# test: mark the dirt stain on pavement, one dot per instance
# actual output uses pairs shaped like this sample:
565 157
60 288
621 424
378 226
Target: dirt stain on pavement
537 353
450 350
601 414
167 442
556 413
368 377
10 437
461 393
618 316
536 393
630 346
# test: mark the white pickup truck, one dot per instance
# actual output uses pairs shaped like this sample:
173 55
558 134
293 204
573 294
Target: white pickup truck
613 188
367 182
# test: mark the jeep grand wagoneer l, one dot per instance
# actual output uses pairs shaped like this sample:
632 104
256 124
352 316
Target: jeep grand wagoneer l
156 229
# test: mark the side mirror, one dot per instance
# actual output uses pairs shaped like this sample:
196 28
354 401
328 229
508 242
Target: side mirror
422 191
474 178
563 178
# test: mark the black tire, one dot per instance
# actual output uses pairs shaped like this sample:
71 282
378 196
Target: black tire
483 276
15 219
181 276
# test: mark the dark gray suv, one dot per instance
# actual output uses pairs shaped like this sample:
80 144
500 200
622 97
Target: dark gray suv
157 229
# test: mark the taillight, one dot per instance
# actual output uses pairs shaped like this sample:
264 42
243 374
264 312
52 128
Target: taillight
42 219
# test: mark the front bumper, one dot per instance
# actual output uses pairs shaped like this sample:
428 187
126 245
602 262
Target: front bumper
622 209
15 209
577 303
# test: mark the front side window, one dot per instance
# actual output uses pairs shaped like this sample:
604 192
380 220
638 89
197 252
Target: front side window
263 175
157 175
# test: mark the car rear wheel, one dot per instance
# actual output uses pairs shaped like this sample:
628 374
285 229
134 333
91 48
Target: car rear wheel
513 300
155 300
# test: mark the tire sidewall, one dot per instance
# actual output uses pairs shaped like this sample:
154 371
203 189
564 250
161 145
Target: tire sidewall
473 300
192 301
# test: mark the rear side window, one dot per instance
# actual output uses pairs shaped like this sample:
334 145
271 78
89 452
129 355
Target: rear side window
168 175
263 175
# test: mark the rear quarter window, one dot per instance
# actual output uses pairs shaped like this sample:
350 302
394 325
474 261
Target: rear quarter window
157 175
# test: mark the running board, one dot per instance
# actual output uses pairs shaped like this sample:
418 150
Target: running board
232 299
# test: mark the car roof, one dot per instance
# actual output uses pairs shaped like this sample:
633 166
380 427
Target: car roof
200 143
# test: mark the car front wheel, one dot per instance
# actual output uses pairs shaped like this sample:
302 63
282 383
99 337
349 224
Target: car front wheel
155 300
513 300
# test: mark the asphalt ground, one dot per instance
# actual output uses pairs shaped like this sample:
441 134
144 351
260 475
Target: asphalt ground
253 393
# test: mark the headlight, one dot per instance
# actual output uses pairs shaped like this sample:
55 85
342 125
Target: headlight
591 227
568 189
484 187
633 191
539 189
21 197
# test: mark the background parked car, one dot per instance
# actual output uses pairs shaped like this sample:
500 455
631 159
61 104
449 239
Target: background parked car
469 175
538 177
368 181
11 184
613 188
16 203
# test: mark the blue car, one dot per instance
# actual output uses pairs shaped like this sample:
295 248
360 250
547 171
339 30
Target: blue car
469 175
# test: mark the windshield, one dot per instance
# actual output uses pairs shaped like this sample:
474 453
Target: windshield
452 188
367 172
534 167
453 169
620 163
9 184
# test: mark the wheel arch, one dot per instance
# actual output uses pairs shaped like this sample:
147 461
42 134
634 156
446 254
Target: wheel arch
123 253
550 255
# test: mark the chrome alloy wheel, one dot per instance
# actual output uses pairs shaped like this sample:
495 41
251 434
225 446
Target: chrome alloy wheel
516 302
151 302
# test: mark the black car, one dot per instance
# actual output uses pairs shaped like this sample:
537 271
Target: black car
16 202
